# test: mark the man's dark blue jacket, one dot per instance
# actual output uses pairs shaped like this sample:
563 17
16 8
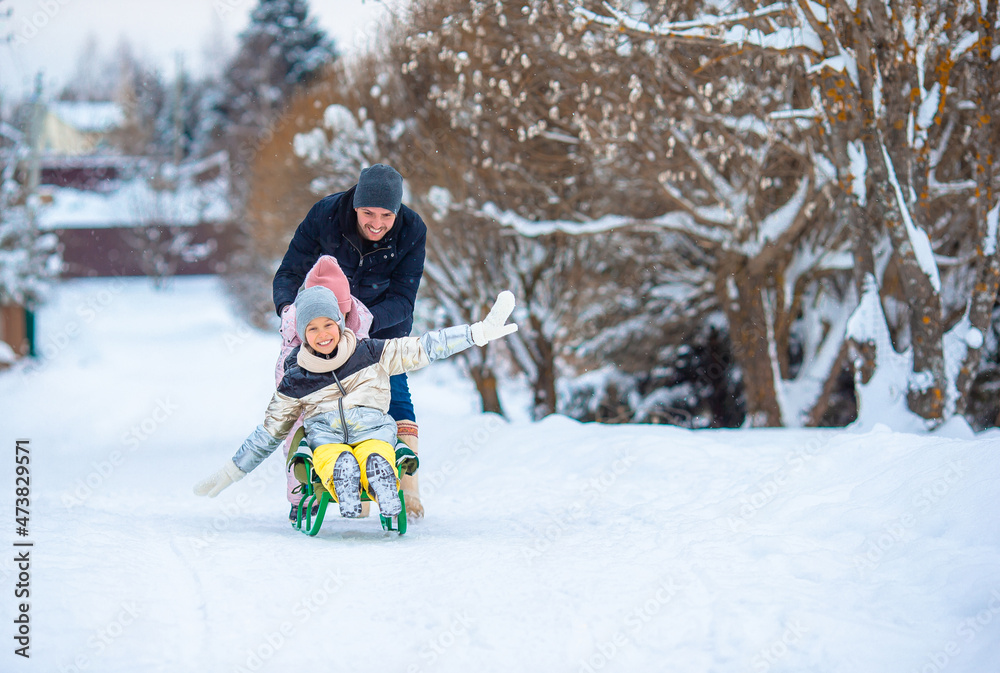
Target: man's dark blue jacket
384 275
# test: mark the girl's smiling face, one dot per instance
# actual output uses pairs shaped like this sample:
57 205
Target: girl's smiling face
322 335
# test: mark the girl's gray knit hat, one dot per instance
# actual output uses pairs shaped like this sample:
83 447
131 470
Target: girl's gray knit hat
316 302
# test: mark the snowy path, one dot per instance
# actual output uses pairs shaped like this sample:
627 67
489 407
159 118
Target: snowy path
553 546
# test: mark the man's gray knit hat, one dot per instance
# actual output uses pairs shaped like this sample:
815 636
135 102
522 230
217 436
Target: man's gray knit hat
316 302
379 186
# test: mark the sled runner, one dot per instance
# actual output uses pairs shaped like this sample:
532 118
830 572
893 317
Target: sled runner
316 496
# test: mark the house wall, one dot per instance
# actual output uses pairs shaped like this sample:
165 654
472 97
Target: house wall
61 138
146 251
79 177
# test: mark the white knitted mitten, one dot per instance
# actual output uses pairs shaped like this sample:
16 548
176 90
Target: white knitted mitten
213 485
493 327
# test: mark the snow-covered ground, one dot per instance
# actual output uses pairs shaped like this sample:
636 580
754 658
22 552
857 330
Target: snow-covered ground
551 546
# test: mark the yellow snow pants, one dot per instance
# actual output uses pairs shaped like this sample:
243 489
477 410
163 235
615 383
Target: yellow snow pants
325 457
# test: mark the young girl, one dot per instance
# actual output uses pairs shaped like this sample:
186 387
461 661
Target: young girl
341 386
326 272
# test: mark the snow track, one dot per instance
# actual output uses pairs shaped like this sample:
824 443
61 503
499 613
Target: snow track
548 546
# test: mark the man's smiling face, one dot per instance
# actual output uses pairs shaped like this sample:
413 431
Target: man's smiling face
374 223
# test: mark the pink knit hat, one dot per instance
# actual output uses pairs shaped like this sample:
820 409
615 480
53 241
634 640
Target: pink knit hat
327 272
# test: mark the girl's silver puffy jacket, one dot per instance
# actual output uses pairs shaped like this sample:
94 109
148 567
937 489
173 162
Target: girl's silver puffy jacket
347 404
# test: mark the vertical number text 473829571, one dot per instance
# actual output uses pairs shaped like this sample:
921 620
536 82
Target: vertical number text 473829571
22 546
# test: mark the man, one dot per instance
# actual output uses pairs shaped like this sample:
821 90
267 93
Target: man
380 245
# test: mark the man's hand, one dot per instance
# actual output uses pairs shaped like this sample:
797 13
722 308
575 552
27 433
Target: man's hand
406 460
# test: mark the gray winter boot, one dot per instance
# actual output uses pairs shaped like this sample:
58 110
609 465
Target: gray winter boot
382 484
346 483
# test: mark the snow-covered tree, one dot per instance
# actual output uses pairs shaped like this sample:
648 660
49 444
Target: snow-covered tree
901 98
95 76
281 49
281 192
571 126
646 174
29 260
518 182
124 78
339 149
762 154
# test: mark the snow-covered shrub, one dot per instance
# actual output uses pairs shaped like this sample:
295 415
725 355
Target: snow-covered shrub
693 384
29 259
606 395
339 150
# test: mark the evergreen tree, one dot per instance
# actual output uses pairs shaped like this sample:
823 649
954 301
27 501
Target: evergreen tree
29 260
185 122
282 48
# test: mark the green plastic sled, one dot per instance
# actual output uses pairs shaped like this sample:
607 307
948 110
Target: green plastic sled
301 465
